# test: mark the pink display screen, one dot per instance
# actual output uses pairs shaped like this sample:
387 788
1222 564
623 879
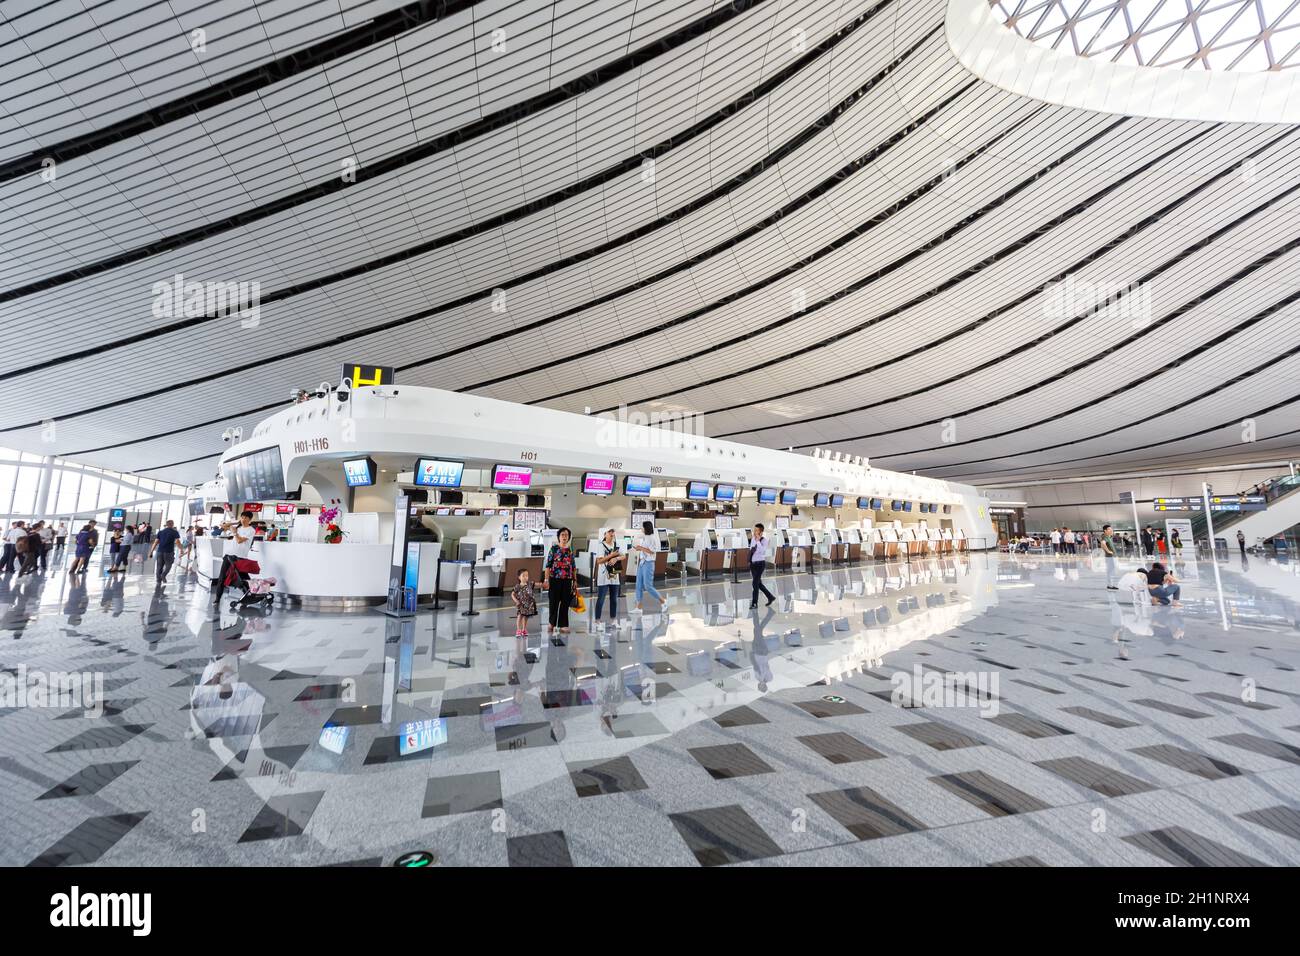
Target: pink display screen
512 478
597 483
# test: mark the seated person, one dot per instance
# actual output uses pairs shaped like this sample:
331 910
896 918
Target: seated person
1163 585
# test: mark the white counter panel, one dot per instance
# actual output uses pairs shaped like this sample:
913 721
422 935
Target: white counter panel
323 570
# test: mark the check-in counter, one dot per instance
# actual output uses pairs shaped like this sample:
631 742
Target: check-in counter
510 573
324 574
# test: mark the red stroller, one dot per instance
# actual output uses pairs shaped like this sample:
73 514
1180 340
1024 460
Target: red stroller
238 573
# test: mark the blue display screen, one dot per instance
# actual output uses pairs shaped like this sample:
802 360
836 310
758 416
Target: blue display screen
724 492
698 491
789 497
435 473
636 485
359 472
767 496
895 505
907 506
821 500
837 501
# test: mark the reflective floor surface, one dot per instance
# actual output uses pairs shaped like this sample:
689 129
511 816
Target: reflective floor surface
989 710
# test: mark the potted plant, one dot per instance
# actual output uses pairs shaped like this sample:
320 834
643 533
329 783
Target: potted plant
329 520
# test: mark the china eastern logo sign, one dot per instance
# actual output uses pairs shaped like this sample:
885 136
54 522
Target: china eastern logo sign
361 374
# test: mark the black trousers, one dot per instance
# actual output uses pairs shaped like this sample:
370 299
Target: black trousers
9 559
560 591
756 569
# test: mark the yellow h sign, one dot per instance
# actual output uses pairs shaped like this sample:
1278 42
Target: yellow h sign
366 374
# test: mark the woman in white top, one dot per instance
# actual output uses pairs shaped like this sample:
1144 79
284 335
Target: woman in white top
609 567
645 548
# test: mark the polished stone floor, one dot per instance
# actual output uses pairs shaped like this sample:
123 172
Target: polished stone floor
990 710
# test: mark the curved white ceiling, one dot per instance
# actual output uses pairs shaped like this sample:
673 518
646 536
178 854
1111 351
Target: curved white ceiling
805 220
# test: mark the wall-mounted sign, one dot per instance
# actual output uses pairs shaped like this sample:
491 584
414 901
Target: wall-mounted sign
362 374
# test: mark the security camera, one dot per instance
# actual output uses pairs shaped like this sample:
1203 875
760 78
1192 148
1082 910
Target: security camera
344 391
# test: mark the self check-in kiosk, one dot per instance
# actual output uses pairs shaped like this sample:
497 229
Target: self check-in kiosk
853 543
885 544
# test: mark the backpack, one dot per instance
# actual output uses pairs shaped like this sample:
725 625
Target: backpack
21 545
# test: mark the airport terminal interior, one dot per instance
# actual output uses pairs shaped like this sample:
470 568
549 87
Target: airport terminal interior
796 433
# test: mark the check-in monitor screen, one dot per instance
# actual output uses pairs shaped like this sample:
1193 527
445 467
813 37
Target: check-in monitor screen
359 472
821 500
597 483
789 496
837 501
907 506
636 486
767 496
724 492
698 491
436 473
512 477
895 505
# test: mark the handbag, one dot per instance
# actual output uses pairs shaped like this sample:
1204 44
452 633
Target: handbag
576 603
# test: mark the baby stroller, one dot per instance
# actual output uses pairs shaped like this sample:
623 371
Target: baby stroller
257 590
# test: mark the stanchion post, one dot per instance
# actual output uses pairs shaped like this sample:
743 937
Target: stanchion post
437 583
471 612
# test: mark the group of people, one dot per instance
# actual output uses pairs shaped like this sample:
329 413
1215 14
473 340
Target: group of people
559 577
1153 542
28 546
1067 541
1156 582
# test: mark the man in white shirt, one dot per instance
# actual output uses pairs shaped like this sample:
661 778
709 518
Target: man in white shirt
757 564
47 543
238 543
1056 541
16 531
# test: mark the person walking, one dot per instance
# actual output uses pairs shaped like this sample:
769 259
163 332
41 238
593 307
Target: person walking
1241 542
558 580
1067 539
87 542
1107 544
645 548
757 565
61 536
609 568
16 533
1148 541
165 544
1056 540
128 539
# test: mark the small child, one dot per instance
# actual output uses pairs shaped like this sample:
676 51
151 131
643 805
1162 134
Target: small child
525 603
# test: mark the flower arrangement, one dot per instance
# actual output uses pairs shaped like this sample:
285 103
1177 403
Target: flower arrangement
329 518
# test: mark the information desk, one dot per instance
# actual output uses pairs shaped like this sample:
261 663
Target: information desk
322 573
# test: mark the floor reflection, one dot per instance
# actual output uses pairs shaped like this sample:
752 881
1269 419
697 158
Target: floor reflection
357 733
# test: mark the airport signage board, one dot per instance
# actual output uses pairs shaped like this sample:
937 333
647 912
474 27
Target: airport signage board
436 473
1179 504
362 374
